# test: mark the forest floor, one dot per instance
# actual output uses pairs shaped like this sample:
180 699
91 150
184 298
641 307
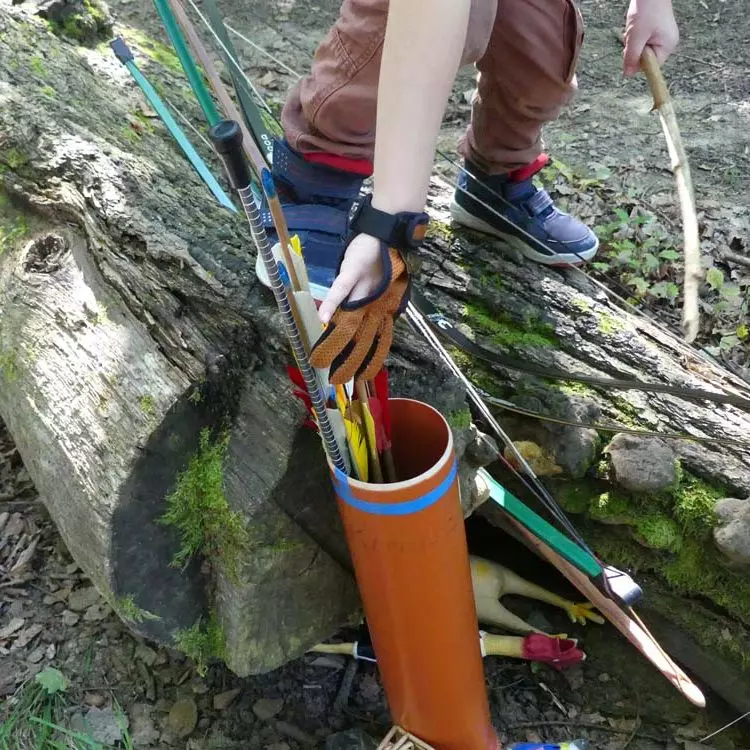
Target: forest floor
611 168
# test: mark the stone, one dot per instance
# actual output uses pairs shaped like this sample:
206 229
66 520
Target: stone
183 716
12 627
222 701
267 708
95 699
146 654
732 532
101 724
642 464
351 739
143 731
96 613
70 618
83 598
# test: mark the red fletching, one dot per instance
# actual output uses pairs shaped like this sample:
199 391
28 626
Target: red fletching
300 392
559 653
381 394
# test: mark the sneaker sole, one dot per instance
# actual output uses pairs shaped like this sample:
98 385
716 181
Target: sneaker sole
462 216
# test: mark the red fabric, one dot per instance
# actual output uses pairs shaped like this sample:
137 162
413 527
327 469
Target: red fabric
362 167
559 653
523 173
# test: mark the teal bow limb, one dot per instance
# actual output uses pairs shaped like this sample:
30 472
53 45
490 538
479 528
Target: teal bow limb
126 58
574 554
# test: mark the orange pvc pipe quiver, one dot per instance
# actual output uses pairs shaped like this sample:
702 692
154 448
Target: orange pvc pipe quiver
408 546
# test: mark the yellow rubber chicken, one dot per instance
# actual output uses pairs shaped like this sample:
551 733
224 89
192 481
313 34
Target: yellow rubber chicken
491 581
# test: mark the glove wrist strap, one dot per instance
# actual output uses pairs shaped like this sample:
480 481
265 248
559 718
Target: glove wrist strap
404 230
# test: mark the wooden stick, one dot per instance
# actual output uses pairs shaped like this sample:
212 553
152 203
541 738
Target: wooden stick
681 171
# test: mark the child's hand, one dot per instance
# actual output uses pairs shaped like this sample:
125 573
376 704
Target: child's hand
652 23
361 273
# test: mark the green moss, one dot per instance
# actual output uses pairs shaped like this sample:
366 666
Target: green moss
575 497
609 325
14 159
85 25
13 225
130 134
659 532
48 91
613 507
694 503
198 508
459 419
8 365
130 610
571 388
36 63
506 332
582 304
148 405
440 230
155 50
202 643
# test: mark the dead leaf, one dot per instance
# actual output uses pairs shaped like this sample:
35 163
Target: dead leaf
12 627
27 636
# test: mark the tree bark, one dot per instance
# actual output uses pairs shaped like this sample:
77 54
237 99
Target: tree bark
131 319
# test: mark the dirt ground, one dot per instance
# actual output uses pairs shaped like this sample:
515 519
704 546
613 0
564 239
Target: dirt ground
612 157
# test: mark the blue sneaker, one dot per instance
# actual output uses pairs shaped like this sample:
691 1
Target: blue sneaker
316 200
513 208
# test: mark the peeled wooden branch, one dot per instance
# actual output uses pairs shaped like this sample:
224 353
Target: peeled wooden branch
681 170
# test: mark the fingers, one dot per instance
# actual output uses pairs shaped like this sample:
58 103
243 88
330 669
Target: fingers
635 42
339 291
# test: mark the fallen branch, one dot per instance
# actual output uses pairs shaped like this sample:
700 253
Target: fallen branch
681 170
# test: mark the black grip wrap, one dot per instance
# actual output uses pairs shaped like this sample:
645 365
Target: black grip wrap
227 139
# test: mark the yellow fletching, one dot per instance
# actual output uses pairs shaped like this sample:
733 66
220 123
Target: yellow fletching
354 435
369 425
296 244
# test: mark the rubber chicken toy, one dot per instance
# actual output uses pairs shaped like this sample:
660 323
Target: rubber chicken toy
491 581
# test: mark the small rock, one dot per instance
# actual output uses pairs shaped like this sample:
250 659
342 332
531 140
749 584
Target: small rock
222 701
732 533
642 464
143 731
290 730
102 725
96 613
83 598
146 654
332 661
95 699
267 708
351 739
603 677
183 716
14 526
70 618
51 651
37 654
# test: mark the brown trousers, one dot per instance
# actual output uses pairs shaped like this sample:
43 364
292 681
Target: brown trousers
526 53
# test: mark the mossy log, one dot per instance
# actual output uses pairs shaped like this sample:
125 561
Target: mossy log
143 370
142 374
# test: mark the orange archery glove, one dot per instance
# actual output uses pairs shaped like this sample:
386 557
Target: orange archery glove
358 337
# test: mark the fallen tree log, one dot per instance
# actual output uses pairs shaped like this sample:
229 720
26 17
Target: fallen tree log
143 381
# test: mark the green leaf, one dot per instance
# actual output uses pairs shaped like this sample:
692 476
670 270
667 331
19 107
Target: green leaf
52 680
650 261
669 254
742 332
661 290
730 291
622 215
729 342
715 278
600 266
673 290
640 285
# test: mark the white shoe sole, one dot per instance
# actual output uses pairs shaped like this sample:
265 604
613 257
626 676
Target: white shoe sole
462 216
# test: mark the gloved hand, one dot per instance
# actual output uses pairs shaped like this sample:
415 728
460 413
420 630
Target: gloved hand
358 336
